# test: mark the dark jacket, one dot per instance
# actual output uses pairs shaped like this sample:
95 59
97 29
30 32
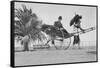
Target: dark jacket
58 24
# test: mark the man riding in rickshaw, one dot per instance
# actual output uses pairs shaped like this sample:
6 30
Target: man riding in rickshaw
59 25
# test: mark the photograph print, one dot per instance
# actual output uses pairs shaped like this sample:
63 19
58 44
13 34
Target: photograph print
53 33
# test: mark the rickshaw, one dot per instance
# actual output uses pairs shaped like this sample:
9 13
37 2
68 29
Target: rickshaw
60 35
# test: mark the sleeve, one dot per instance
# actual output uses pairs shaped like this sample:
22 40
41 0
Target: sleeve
55 23
60 25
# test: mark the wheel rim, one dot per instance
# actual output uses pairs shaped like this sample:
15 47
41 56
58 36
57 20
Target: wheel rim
66 43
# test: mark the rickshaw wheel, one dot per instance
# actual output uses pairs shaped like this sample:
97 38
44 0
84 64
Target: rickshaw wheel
66 43
63 43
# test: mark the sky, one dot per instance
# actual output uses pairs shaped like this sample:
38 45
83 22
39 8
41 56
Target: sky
49 13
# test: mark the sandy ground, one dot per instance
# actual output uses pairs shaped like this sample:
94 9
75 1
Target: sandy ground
53 56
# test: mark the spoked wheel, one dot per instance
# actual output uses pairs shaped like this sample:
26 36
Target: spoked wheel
66 43
63 43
